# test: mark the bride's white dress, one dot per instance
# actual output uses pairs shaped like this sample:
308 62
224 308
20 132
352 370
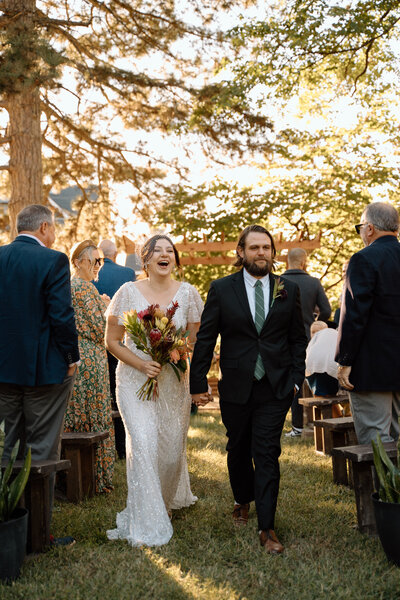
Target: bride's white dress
156 465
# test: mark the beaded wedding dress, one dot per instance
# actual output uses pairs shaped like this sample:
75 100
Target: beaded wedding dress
156 431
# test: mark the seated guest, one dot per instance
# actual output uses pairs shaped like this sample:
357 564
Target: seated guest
321 368
90 406
110 278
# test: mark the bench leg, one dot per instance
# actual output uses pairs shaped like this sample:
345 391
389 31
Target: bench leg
339 463
37 501
318 444
88 463
74 474
363 488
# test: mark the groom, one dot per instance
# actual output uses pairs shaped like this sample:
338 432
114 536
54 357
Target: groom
263 342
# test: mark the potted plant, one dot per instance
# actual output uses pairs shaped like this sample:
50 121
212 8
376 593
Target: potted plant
387 502
13 520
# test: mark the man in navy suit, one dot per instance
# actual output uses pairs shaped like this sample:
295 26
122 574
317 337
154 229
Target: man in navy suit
263 348
38 338
369 327
110 278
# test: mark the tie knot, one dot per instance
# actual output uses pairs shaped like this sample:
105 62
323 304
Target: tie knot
258 283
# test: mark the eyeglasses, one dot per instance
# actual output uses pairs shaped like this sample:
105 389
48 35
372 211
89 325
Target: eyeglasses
358 227
98 261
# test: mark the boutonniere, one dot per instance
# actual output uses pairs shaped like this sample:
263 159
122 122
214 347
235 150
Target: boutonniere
279 291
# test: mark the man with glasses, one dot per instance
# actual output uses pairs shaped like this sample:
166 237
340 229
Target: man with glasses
369 328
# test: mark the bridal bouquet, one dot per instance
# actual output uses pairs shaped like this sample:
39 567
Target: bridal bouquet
154 333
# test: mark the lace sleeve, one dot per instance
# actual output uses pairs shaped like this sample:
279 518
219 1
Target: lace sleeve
120 303
195 305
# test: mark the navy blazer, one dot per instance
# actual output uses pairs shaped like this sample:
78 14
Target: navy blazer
111 276
369 327
282 341
38 337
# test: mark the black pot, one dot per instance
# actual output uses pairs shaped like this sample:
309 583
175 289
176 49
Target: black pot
13 534
387 516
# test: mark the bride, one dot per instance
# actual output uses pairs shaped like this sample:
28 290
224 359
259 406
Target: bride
156 431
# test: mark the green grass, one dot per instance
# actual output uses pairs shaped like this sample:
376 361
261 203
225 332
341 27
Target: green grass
207 558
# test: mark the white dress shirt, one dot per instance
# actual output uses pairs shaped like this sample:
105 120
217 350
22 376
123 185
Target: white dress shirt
33 237
250 282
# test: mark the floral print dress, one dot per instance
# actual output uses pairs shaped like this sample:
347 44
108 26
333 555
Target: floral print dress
90 406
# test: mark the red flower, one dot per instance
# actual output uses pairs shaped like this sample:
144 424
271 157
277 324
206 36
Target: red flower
143 313
155 335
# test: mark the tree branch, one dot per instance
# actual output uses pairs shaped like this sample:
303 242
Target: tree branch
4 167
5 139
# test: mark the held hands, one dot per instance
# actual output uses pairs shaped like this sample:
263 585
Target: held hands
106 299
343 377
151 368
202 399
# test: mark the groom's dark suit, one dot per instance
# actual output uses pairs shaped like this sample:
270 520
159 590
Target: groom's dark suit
252 411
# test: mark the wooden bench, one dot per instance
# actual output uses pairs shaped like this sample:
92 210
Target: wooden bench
80 449
338 432
36 498
362 461
322 409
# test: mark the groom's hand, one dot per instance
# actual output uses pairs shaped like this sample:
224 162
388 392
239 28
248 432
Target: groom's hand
201 399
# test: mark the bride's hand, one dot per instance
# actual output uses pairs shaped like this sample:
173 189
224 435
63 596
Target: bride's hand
151 368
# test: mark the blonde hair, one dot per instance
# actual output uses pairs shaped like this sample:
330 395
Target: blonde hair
317 326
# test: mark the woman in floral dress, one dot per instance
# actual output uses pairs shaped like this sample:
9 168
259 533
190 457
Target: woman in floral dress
90 406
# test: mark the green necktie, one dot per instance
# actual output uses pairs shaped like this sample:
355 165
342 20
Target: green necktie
259 319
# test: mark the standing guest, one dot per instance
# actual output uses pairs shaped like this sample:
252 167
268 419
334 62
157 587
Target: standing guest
369 328
110 278
258 317
38 338
156 430
312 296
90 406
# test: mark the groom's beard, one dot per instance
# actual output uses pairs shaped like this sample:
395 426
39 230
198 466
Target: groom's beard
257 270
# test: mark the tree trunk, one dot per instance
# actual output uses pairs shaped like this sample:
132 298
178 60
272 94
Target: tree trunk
25 165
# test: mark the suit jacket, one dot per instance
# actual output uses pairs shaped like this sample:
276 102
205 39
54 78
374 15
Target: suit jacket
282 341
369 328
112 276
312 294
38 338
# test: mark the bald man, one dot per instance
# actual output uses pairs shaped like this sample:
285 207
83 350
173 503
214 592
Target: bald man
312 297
110 278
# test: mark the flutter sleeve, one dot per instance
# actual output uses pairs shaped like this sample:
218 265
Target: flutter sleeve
121 302
195 305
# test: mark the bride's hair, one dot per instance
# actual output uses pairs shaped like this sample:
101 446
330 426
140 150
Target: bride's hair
148 250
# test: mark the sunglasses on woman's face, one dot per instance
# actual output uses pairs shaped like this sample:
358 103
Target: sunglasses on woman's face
98 262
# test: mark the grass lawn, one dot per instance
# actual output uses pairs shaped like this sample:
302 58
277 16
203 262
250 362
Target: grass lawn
207 558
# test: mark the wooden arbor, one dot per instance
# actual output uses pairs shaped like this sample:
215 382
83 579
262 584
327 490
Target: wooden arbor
221 253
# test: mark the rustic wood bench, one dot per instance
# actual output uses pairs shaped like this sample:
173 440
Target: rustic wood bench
80 449
36 498
362 461
322 409
338 432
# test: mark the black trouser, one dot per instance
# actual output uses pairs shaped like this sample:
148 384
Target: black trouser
118 424
254 430
297 412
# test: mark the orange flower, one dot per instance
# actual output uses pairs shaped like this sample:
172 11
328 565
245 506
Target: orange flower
174 355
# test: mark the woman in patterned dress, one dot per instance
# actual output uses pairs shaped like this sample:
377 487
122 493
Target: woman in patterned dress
90 406
156 431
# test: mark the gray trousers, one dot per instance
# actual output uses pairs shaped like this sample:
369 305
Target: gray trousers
375 412
35 416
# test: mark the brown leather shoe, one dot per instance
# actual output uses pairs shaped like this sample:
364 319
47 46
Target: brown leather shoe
270 542
241 514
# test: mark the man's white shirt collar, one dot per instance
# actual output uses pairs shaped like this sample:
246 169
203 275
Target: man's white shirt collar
33 237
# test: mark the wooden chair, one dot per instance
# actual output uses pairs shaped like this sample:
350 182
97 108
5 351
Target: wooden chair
338 432
322 409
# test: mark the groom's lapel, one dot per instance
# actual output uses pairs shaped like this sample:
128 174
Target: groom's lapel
240 291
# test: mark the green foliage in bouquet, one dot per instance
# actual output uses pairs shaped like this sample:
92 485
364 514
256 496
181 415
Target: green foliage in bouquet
11 493
388 473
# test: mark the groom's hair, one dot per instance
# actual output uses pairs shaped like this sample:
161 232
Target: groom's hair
242 241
